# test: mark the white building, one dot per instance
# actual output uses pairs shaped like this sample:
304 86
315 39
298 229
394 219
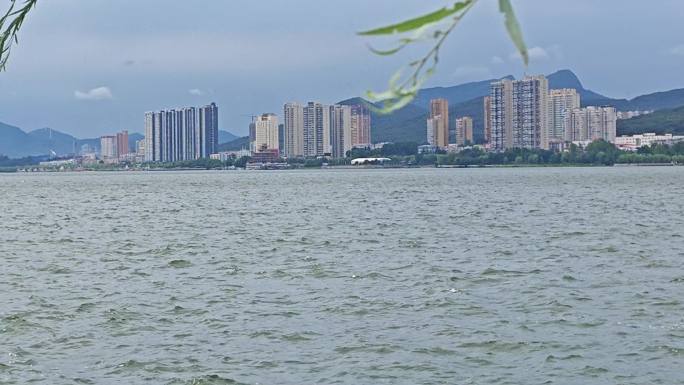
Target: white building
633 142
464 130
561 103
316 129
530 113
225 155
108 149
430 132
519 113
501 114
591 123
293 114
340 130
265 133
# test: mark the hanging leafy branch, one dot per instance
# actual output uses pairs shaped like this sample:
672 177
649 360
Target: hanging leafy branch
10 23
435 26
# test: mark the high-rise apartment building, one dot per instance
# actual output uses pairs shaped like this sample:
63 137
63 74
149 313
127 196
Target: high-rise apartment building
519 113
439 114
591 123
530 113
316 129
340 130
487 119
430 132
207 139
181 134
501 115
108 149
464 130
122 143
561 103
281 137
293 114
265 133
360 125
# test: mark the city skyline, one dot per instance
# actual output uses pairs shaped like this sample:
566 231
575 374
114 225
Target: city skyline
111 69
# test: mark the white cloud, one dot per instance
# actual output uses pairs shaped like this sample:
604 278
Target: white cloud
677 50
497 60
98 93
196 92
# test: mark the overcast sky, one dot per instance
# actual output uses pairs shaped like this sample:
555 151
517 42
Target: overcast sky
90 67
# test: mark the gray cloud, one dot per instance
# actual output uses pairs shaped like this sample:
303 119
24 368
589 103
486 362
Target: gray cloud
98 93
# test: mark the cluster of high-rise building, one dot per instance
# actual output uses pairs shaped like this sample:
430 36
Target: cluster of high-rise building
316 129
526 114
439 132
186 133
114 148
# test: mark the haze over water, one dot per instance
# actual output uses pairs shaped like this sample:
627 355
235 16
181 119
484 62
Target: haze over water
402 276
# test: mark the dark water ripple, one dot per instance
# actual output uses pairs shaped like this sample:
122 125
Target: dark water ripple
520 276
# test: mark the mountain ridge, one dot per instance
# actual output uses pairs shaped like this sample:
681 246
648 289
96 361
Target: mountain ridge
405 124
408 123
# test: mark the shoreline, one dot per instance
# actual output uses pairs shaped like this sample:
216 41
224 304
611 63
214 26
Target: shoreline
342 167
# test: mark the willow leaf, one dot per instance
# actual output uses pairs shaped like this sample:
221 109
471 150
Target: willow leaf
513 28
387 52
410 25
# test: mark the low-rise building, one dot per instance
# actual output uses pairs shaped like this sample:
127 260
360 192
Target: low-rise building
633 142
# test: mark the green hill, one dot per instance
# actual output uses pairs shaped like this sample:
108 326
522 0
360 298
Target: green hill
235 145
669 121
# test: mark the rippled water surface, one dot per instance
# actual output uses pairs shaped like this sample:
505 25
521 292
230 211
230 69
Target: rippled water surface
471 276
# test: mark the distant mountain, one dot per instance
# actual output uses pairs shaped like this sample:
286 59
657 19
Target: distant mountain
406 124
409 123
235 145
225 136
54 141
133 138
568 79
15 143
455 94
668 121
400 126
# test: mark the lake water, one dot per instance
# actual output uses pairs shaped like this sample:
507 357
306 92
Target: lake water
428 276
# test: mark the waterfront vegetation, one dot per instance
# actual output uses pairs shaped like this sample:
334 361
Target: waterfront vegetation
598 153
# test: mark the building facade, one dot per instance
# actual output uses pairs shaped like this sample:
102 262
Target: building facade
293 114
360 125
207 138
340 130
487 132
501 114
591 123
265 136
439 115
634 142
464 130
519 113
122 143
561 103
181 134
530 113
108 150
316 130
